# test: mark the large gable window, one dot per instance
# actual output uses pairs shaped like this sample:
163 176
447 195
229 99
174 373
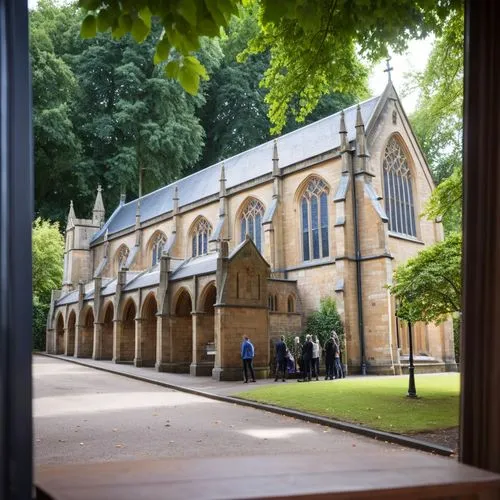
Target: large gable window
398 190
201 234
314 215
251 222
157 248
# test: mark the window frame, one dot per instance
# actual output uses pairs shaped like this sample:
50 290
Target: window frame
199 237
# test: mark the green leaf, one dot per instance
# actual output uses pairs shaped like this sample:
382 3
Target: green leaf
187 9
139 30
89 28
216 14
162 50
172 69
125 22
196 66
145 15
189 79
104 20
208 27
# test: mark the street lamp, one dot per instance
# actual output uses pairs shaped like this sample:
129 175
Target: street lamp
412 391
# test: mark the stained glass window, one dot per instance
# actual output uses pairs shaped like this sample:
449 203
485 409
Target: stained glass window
251 222
398 190
157 248
200 237
314 216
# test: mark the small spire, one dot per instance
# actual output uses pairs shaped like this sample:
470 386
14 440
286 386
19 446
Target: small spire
276 168
98 213
361 147
344 146
359 118
71 213
222 189
175 200
123 197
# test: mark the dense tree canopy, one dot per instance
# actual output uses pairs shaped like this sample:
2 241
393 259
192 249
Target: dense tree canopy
312 43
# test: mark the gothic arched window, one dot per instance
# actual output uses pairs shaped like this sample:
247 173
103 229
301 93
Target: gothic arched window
398 190
157 248
251 222
201 234
122 256
291 304
272 303
314 215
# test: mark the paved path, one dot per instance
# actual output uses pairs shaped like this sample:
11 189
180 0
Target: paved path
86 415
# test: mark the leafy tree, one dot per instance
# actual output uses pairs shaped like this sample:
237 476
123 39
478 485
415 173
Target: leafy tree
428 287
438 118
48 250
312 42
57 147
322 322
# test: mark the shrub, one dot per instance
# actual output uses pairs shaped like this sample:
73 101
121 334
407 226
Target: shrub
322 322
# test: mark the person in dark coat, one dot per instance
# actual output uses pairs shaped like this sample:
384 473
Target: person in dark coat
281 351
330 350
307 354
247 355
297 354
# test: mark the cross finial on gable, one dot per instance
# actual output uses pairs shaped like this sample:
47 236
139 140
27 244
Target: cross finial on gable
388 68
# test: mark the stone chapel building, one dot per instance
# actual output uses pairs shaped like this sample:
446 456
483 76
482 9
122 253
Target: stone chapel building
250 246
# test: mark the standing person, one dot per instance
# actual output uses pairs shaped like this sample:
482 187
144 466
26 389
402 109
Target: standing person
297 354
315 357
247 355
330 350
281 351
307 354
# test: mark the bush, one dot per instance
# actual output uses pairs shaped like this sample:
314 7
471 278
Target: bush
322 322
40 312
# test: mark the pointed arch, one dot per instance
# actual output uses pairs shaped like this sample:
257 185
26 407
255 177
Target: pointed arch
59 333
126 347
312 196
183 303
182 331
291 304
398 187
208 297
199 235
155 246
149 323
249 220
86 341
108 312
121 256
70 333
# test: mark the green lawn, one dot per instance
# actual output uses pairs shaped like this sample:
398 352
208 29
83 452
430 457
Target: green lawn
380 403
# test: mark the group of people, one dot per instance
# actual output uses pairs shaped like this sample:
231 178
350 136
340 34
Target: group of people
303 359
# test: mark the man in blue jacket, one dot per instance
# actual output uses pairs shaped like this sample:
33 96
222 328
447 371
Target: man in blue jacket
247 355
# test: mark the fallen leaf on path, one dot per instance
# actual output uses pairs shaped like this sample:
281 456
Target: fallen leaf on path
62 440
81 444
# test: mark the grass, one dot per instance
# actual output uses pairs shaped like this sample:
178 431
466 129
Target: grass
377 402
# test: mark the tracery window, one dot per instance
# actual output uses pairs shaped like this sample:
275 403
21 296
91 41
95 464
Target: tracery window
314 214
122 256
201 235
272 303
398 190
157 248
251 222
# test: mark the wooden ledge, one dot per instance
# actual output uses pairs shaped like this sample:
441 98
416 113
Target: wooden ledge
383 475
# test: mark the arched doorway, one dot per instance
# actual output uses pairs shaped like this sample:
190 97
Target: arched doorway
87 334
148 341
127 340
70 344
205 334
59 334
182 333
107 333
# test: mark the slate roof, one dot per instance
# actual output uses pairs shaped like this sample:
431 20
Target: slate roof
301 144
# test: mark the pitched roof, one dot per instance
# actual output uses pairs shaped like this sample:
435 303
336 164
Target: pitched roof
301 144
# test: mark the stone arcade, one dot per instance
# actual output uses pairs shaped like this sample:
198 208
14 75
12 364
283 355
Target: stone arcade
250 246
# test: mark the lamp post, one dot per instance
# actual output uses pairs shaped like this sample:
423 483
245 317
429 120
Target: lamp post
412 391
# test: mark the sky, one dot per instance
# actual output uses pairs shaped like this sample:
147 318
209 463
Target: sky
414 59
